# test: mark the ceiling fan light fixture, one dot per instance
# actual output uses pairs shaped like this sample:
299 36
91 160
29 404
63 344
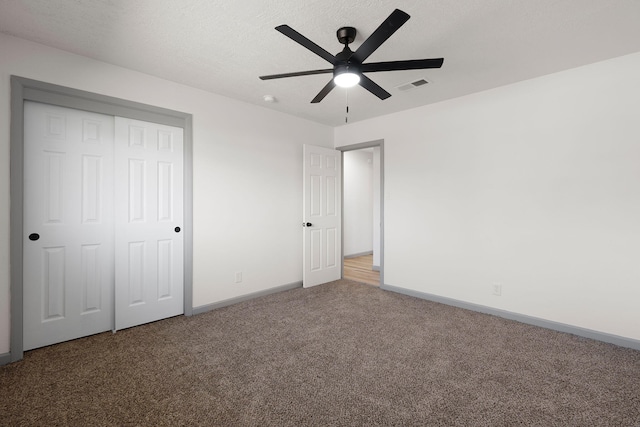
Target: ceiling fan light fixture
348 66
347 79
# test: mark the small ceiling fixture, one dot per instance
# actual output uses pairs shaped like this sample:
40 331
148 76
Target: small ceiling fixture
269 98
348 68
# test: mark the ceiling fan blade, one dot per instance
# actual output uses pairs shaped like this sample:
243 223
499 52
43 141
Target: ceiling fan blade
373 87
300 39
296 74
381 34
413 64
324 92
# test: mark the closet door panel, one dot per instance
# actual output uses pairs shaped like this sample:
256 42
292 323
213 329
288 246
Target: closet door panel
68 224
149 212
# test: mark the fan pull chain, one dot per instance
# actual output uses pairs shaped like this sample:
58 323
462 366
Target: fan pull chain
346 117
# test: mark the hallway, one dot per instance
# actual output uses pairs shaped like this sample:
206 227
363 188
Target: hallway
360 269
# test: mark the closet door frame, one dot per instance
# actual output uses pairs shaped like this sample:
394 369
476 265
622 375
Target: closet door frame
23 89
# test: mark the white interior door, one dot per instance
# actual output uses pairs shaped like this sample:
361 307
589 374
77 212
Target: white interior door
322 212
68 224
149 239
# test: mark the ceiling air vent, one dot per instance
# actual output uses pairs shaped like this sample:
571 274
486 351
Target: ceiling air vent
412 85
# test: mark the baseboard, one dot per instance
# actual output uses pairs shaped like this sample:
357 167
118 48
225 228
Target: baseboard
358 254
5 359
523 318
376 268
204 308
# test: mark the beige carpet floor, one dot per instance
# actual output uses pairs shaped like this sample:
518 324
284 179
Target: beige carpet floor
341 354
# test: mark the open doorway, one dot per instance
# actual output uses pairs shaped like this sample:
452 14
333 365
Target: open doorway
362 212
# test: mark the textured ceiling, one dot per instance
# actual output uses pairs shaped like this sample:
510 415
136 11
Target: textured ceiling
223 46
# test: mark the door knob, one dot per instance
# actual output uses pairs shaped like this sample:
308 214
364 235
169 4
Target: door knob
306 224
34 236
177 229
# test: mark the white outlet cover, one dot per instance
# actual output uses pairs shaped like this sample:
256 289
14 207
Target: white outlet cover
497 289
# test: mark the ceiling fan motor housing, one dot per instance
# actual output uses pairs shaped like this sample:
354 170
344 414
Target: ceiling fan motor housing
341 68
344 63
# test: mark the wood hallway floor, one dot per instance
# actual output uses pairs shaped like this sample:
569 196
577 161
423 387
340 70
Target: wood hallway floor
360 269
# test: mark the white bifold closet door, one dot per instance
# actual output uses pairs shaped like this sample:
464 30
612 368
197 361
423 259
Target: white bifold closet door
102 207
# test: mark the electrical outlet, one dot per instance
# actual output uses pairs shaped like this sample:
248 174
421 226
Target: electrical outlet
238 276
496 288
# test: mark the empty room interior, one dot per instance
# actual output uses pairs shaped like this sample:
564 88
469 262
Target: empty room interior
183 185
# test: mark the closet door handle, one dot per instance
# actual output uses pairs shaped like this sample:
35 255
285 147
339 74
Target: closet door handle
177 229
34 236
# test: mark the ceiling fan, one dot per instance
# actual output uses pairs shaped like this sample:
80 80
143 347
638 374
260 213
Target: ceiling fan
348 67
